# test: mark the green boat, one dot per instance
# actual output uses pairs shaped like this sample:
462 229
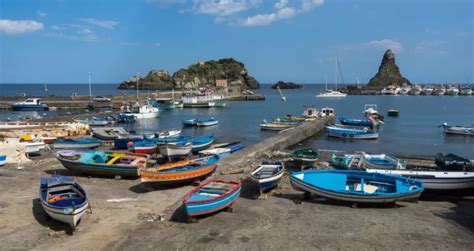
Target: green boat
340 162
305 157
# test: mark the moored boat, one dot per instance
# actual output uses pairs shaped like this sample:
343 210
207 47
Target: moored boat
31 104
305 157
223 151
381 161
63 199
145 111
340 131
94 121
207 122
356 122
144 146
267 175
356 186
466 91
101 162
77 143
393 113
276 126
169 133
179 172
189 122
211 197
458 130
201 143
176 149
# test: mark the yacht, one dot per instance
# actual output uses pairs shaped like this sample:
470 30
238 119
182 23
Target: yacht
427 90
466 91
452 91
31 104
145 111
331 93
440 91
390 90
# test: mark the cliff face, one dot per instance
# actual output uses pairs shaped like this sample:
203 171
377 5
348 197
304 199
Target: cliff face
388 73
197 75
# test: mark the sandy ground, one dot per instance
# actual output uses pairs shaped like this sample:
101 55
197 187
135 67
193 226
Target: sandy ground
281 221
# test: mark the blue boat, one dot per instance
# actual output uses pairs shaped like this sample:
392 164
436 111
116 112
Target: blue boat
31 104
3 160
223 151
174 139
268 175
202 143
189 122
356 122
207 122
356 186
79 143
341 131
63 199
211 197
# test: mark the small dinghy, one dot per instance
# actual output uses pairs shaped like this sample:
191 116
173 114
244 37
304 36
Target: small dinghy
94 121
356 122
63 199
268 175
79 143
96 162
458 130
211 197
189 122
207 122
176 149
341 131
168 133
305 157
179 172
356 186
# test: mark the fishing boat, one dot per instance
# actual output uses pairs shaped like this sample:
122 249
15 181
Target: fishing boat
145 111
190 122
381 161
124 142
3 160
211 197
127 119
356 186
179 172
341 131
222 151
102 162
175 139
144 146
77 143
201 143
207 122
63 199
356 122
109 133
31 104
176 149
458 130
267 175
168 133
276 126
94 121
305 157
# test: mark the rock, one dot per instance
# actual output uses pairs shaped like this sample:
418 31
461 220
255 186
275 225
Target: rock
388 73
155 80
287 85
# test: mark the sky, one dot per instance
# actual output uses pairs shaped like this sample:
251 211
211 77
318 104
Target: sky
62 41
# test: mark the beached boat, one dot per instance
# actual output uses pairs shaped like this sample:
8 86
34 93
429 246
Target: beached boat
305 157
458 130
190 122
3 160
211 197
207 122
267 175
145 111
102 162
63 199
356 186
340 131
381 161
176 149
77 143
179 172
125 141
169 133
31 104
144 146
201 143
222 151
175 139
356 122
327 112
109 133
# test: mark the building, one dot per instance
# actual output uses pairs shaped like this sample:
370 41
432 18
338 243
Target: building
221 83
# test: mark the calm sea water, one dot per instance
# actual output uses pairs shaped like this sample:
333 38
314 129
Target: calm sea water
414 132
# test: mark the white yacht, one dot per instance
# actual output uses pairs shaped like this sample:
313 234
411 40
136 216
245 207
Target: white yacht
415 90
452 91
427 90
390 90
331 93
466 91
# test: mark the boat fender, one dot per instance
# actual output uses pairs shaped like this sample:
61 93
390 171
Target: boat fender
130 144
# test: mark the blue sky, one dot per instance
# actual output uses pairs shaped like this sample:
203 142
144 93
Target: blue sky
60 41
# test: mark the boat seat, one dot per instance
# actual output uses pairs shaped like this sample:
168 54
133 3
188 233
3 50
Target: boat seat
367 188
218 186
60 188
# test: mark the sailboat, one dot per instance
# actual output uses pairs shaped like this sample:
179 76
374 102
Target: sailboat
331 93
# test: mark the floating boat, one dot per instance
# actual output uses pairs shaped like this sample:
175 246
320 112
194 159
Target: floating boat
305 157
292 118
3 160
179 172
416 90
356 122
223 151
31 104
439 91
381 161
101 162
268 175
466 91
78 143
109 133
145 111
169 133
176 149
211 197
189 122
332 93
276 126
144 146
356 186
201 143
458 130
390 90
207 122
63 199
370 109
393 113
341 131
94 121
452 91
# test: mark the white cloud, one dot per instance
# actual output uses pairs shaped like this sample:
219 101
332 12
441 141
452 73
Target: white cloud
39 13
396 46
308 5
12 27
107 24
223 7
164 3
74 32
280 4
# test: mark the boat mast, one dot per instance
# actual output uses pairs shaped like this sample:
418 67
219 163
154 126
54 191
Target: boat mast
90 87
326 79
335 72
138 78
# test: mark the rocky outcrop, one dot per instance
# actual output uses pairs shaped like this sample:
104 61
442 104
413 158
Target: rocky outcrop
388 73
215 73
286 85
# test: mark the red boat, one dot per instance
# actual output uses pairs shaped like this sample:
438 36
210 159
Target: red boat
144 146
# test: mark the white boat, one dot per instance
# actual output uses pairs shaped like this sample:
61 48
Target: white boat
416 90
427 90
390 90
332 93
145 111
370 109
175 149
452 91
31 104
169 133
327 112
206 101
466 91
440 91
35 147
458 130
405 90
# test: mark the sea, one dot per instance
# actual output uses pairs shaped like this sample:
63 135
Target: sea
415 132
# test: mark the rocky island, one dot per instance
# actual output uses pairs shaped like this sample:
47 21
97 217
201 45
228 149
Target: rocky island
286 85
222 73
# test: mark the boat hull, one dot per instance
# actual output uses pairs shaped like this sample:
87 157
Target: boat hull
351 134
24 108
203 208
76 146
71 218
145 149
172 150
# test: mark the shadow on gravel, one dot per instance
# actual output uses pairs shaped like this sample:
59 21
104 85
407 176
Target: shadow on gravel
63 172
45 220
448 195
462 214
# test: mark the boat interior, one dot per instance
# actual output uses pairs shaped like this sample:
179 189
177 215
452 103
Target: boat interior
267 171
368 186
64 195
210 190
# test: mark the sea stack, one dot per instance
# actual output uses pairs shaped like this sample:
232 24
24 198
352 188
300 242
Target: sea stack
388 73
